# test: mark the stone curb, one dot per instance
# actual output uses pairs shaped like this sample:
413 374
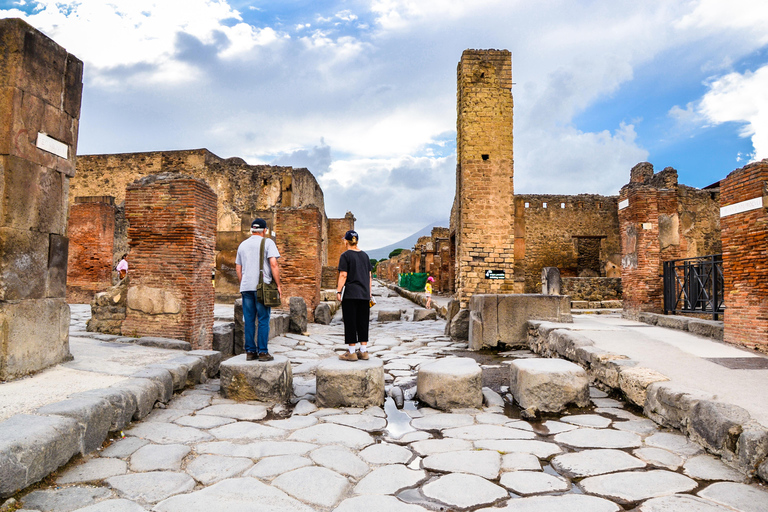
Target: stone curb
706 328
417 298
722 429
32 446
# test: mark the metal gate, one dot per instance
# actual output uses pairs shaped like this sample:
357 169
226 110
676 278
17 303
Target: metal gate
694 285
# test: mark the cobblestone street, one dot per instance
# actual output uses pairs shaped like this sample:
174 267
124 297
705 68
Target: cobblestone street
201 452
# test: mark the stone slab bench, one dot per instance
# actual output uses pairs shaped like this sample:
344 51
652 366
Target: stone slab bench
265 381
548 385
350 383
450 383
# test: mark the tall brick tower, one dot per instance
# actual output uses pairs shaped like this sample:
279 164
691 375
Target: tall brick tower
482 219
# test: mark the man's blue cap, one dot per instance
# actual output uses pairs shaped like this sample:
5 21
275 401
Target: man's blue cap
351 235
258 224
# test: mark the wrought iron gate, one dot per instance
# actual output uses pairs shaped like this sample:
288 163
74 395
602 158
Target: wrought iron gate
694 285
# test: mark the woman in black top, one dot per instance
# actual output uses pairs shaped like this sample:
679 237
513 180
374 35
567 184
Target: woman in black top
355 280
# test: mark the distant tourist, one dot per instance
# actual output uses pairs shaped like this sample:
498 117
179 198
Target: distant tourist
428 291
122 267
354 292
248 266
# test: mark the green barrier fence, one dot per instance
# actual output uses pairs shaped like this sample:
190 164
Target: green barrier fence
414 282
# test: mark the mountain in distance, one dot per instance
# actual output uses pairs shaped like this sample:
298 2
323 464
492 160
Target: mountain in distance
407 242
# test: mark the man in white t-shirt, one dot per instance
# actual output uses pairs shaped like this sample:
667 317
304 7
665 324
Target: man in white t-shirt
248 267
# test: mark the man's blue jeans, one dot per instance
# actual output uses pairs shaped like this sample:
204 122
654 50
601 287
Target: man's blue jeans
252 309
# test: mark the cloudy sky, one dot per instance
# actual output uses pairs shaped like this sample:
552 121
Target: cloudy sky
363 92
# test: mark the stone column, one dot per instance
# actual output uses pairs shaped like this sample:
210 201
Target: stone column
171 231
40 90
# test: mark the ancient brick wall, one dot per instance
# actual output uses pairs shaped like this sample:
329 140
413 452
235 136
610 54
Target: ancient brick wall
298 238
483 227
578 234
91 232
40 92
744 224
591 288
172 229
336 230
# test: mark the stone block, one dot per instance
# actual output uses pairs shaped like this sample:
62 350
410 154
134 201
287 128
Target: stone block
672 322
451 311
548 385
266 381
239 343
648 318
634 383
35 196
551 283
161 378
420 314
389 316
211 359
278 323
23 264
34 335
32 447
450 383
670 404
350 384
298 319
460 325
93 415
717 425
145 392
153 301
166 343
178 371
707 328
197 369
323 313
224 339
122 402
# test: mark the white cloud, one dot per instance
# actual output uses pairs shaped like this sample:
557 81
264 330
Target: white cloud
751 15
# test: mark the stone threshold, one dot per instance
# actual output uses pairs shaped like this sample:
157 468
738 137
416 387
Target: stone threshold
720 428
32 446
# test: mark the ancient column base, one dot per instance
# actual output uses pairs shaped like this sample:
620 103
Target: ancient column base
265 381
350 383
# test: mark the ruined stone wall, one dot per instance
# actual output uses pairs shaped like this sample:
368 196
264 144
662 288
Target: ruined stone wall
40 92
483 227
172 223
744 222
390 269
592 288
299 235
337 228
578 234
91 232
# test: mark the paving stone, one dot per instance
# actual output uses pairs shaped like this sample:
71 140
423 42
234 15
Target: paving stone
64 500
239 495
203 422
373 503
433 446
118 505
533 482
270 467
361 421
556 427
484 463
94 469
327 433
607 403
566 502
314 485
617 413
236 411
256 449
385 453
541 449
193 402
208 469
304 407
642 426
659 457
341 460
390 480
492 418
742 497
163 457
599 438
151 487
124 447
637 485
441 421
168 433
520 462
707 467
167 415
595 462
477 432
246 430
683 503
464 491
587 420
294 422
676 443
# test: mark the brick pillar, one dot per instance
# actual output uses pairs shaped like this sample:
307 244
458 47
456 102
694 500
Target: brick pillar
171 231
299 238
336 230
40 90
484 221
91 232
744 233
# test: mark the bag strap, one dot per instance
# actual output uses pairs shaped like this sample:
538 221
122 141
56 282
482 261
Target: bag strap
261 261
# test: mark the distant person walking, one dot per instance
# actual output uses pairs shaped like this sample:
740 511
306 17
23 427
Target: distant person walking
354 292
122 267
248 266
428 291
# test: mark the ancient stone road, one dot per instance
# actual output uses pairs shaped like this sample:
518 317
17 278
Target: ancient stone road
205 453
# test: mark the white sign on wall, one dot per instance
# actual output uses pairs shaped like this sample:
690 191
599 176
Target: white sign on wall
744 206
52 145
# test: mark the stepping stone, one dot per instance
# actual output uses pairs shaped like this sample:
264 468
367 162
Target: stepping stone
151 487
70 498
385 453
92 470
247 431
341 460
451 383
168 433
659 457
676 443
208 469
603 438
587 420
441 421
541 449
272 466
484 463
595 462
124 447
372 503
159 457
520 462
569 502
313 485
326 433
350 383
267 381
682 502
362 421
742 497
433 446
118 505
244 412
637 485
239 494
477 432
548 385
533 482
707 467
203 422
390 479
464 491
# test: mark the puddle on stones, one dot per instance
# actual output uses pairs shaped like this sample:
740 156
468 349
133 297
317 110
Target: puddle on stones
398 421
